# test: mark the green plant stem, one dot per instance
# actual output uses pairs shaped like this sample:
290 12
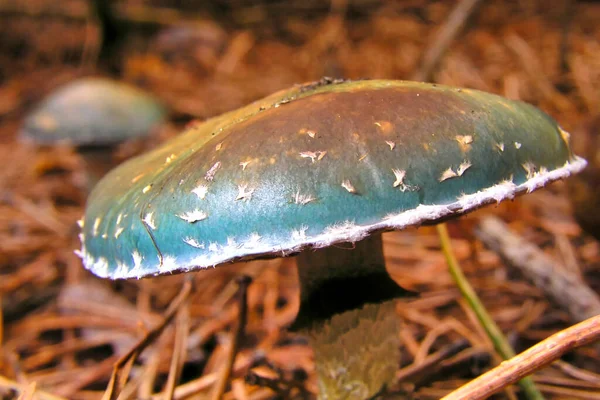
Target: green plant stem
494 333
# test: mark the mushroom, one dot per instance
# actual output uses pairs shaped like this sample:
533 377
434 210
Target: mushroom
317 170
94 115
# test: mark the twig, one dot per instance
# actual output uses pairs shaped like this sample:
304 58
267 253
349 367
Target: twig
577 373
529 361
429 363
88 377
447 33
566 289
204 382
495 334
560 392
551 379
219 388
123 365
179 350
494 357
143 383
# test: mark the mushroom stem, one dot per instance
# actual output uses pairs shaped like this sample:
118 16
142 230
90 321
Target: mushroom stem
98 161
347 311
357 352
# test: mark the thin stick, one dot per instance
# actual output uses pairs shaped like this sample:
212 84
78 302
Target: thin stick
204 382
429 363
577 373
456 20
122 366
529 361
495 334
179 350
219 388
86 377
563 287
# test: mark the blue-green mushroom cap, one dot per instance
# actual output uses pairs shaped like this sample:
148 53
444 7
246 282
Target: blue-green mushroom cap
94 112
313 166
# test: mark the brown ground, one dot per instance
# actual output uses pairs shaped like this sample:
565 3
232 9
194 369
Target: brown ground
63 328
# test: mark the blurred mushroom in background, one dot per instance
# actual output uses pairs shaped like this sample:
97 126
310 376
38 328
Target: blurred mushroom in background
94 115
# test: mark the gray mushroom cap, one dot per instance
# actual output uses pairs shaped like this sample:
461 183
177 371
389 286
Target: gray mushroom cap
93 111
317 165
